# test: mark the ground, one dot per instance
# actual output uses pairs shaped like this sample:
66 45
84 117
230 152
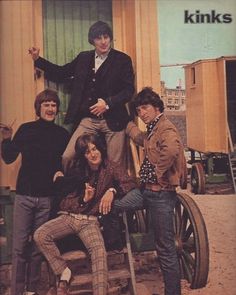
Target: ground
219 212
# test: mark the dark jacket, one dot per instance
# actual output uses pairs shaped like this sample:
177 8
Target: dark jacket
116 80
164 150
111 175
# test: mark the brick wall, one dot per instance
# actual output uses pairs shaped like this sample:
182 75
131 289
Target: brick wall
178 118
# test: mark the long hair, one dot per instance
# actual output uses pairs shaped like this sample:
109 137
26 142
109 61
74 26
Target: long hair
81 146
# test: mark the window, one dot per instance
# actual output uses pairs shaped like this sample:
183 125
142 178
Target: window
193 76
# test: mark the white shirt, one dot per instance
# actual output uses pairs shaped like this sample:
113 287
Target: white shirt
99 59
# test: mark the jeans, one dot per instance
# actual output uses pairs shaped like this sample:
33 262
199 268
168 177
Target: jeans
160 206
29 214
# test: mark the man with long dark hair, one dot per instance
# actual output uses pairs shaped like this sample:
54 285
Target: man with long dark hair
96 183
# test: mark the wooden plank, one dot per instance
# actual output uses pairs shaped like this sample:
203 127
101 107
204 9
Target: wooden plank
142 289
74 255
132 23
111 291
79 254
135 158
83 279
17 33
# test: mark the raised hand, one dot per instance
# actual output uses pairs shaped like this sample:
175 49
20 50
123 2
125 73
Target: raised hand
6 131
34 51
89 192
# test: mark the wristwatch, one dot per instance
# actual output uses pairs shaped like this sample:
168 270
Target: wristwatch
112 190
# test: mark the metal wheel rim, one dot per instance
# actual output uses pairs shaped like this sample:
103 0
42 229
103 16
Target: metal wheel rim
197 179
191 241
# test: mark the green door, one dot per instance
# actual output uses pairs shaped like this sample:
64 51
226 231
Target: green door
65 29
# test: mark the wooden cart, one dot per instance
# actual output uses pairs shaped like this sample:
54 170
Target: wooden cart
191 237
211 121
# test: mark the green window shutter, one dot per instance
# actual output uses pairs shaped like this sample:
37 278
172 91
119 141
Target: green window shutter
65 32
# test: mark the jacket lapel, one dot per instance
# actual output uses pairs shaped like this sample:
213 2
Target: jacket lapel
106 64
88 62
100 185
154 130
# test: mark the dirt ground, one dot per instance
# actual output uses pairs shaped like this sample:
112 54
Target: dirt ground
219 212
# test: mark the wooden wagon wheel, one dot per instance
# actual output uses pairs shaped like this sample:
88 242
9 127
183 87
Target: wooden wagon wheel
190 238
197 179
191 241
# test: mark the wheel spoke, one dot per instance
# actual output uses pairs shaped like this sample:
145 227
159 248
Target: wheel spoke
189 245
192 243
187 270
189 258
184 222
177 220
197 178
181 268
188 232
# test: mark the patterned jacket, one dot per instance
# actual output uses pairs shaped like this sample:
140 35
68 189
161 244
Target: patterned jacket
111 176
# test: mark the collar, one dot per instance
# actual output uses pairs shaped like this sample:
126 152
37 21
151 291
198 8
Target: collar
152 124
44 122
102 56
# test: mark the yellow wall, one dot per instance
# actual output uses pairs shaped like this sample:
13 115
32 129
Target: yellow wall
136 33
206 108
21 27
135 26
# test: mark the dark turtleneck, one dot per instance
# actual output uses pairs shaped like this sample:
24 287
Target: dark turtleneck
41 145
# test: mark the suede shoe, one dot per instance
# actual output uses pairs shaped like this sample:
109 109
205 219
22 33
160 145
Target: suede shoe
63 288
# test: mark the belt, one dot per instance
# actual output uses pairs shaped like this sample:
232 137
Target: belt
152 187
100 117
79 216
158 188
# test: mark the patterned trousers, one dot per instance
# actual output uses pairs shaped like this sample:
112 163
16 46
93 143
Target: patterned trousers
89 232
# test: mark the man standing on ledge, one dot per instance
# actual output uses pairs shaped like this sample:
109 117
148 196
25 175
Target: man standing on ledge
103 82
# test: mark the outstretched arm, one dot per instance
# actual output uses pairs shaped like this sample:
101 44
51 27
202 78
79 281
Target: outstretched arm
10 147
52 71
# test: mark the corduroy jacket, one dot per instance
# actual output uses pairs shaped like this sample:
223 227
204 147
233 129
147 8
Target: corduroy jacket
111 175
165 151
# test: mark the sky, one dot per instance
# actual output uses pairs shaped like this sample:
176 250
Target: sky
181 43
